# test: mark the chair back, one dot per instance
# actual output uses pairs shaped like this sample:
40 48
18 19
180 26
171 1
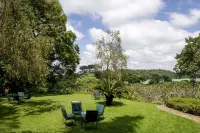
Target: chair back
64 112
96 93
91 115
21 94
76 106
100 109
9 97
16 98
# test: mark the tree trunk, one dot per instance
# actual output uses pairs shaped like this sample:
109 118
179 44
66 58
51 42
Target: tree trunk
109 99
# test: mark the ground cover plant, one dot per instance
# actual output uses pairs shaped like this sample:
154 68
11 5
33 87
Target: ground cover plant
187 105
42 114
159 93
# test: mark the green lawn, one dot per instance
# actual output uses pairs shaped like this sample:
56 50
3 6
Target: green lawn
42 114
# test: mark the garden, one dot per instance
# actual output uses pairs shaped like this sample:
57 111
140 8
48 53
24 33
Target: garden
42 114
43 88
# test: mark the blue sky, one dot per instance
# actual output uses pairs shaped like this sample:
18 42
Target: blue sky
152 31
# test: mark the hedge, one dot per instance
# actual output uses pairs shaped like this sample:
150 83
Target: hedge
187 105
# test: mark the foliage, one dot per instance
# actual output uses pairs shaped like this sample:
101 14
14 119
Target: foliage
50 21
33 36
93 68
42 115
188 61
111 56
155 75
110 88
130 94
24 58
158 93
87 82
187 105
112 62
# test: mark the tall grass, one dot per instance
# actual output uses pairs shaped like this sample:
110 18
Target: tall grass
159 93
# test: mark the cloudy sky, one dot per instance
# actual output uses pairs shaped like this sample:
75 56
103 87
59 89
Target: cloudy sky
152 31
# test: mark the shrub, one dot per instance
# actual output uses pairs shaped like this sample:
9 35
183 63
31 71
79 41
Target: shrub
187 105
159 93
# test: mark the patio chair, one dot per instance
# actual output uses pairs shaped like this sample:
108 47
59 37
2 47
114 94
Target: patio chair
76 107
65 115
91 116
10 97
21 95
100 109
96 95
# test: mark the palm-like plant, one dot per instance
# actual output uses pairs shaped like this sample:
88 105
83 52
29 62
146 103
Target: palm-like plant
109 88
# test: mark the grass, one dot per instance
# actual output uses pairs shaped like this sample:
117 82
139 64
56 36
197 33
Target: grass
42 115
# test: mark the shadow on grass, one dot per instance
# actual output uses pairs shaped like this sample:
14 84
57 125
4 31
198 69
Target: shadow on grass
9 117
51 94
114 103
40 106
124 124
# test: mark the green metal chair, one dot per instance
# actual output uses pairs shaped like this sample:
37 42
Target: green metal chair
76 107
66 116
21 95
100 108
96 95
91 116
10 97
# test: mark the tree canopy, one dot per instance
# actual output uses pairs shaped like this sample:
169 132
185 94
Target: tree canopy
87 81
111 56
33 36
23 57
188 60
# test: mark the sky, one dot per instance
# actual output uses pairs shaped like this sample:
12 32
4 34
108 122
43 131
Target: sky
152 31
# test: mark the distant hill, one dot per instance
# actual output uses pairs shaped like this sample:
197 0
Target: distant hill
150 72
142 74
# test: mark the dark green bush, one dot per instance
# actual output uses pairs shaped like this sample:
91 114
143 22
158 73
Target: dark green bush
187 105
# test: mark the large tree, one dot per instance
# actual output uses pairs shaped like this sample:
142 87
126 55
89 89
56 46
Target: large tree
112 62
23 57
32 36
50 20
188 61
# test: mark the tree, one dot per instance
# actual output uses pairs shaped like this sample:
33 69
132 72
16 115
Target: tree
50 21
87 82
167 78
112 60
23 58
33 37
110 88
188 61
93 68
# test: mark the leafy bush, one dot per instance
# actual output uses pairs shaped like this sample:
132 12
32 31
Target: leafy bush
87 82
187 105
158 93
130 94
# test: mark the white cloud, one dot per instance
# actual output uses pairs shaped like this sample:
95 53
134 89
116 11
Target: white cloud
149 43
79 35
113 12
88 56
184 21
96 34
